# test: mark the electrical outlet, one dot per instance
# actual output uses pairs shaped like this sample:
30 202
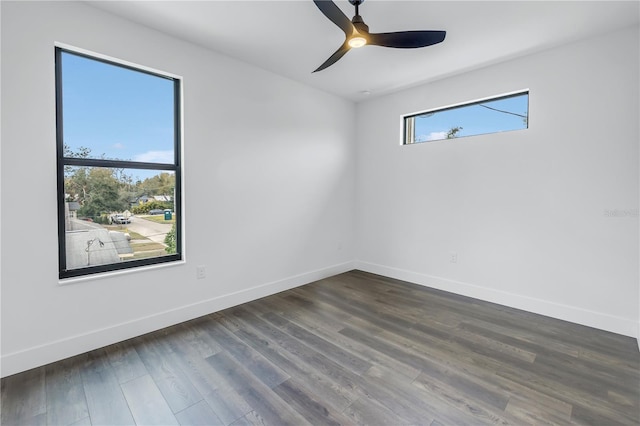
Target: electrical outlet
453 257
201 272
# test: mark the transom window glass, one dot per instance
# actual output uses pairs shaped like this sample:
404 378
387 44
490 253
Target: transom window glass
118 144
499 114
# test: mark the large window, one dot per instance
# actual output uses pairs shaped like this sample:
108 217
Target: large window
493 115
119 173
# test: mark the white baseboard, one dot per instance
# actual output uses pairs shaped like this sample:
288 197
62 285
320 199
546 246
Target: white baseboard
23 360
569 313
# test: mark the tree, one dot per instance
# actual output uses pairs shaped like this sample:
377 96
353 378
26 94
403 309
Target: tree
453 132
160 184
151 205
100 191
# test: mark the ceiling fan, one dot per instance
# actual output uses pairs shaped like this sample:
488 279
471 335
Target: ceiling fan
357 33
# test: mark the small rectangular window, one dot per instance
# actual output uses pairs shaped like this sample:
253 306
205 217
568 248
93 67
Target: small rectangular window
492 115
118 156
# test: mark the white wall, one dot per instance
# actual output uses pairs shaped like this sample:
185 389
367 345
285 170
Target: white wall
269 188
525 211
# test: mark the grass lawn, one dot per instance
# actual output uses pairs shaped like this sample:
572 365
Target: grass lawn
136 236
147 245
148 253
159 218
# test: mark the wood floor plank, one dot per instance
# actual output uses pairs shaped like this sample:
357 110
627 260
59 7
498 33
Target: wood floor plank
590 364
270 374
265 402
327 389
586 375
321 367
348 360
125 361
589 415
312 408
66 401
24 398
105 400
221 398
473 405
550 382
400 302
531 411
539 402
368 411
250 419
292 306
199 414
189 360
406 402
224 319
146 403
164 368
337 311
367 353
195 335
516 351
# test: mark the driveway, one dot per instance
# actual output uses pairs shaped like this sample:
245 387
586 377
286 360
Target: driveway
152 230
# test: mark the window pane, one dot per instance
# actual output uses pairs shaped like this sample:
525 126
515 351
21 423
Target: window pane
112 112
118 215
489 116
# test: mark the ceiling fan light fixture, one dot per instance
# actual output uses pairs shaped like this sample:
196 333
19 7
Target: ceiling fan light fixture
357 41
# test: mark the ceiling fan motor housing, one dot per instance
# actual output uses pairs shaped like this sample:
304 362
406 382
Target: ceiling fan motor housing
358 22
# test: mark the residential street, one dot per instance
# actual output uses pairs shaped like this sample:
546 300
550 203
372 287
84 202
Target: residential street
152 230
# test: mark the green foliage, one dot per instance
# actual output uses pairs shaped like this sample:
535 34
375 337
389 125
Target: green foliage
96 189
102 219
170 240
453 132
151 205
83 152
161 184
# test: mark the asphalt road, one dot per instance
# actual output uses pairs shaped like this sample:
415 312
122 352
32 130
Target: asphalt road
152 230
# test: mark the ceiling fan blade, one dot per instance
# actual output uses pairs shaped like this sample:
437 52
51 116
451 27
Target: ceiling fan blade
334 58
335 15
407 39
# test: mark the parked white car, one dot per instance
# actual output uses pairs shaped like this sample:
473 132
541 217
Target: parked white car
120 219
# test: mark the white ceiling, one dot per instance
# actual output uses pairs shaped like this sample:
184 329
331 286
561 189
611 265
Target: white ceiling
292 38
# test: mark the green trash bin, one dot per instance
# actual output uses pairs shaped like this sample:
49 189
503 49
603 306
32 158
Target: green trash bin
167 215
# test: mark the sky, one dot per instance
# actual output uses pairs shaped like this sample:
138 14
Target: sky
474 119
117 112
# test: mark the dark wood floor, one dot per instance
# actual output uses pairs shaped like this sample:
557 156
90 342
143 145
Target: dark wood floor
353 349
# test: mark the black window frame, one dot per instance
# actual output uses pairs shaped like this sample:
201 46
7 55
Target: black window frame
62 161
405 118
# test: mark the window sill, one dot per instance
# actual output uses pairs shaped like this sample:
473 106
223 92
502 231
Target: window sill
112 274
